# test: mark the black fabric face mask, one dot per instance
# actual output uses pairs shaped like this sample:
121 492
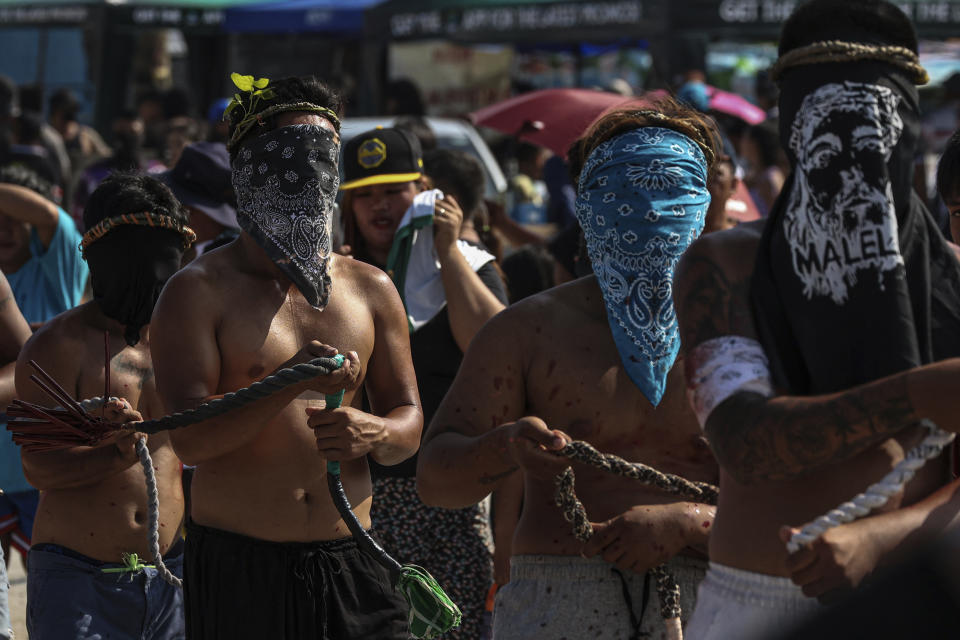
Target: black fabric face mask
128 269
853 280
286 181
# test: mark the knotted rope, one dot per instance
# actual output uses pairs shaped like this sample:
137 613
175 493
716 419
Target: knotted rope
431 610
153 514
668 591
839 51
878 493
229 402
256 391
153 501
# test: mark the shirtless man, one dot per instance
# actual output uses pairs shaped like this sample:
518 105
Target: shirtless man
14 332
560 356
267 554
792 452
93 505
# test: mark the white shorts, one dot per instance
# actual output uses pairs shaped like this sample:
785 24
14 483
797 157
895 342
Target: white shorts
744 605
551 597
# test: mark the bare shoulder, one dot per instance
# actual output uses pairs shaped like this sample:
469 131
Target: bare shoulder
370 285
197 280
58 346
59 338
731 249
366 278
539 319
711 287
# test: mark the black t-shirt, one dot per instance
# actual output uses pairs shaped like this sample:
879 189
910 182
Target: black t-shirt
436 359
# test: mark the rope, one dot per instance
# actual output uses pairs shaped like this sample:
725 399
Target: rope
431 611
841 51
153 511
668 591
256 391
878 493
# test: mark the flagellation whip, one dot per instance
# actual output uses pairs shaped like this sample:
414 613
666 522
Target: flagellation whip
38 428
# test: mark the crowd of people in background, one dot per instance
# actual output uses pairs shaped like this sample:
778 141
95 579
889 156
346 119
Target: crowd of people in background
460 314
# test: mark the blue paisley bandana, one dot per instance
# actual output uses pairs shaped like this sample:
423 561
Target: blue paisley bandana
641 201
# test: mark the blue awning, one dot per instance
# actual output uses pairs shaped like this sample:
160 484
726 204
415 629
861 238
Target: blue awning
344 17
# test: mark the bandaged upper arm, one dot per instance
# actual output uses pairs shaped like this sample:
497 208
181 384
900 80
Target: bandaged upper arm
721 367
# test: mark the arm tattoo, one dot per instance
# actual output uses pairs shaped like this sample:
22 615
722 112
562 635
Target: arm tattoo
758 439
713 305
141 374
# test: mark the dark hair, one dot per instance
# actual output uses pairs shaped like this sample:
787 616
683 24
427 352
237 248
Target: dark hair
65 102
122 193
406 98
672 115
286 91
867 21
948 169
9 96
528 271
150 95
527 152
31 98
176 103
459 174
418 126
23 176
766 136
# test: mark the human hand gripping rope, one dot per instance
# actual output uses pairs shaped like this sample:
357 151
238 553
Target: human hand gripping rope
573 511
38 428
878 493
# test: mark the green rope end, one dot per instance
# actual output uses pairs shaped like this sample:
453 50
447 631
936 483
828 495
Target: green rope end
333 401
131 564
432 612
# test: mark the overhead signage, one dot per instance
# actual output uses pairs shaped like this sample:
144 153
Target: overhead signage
514 18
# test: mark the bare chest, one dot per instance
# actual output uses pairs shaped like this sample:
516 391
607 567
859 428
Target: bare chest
130 377
260 337
584 390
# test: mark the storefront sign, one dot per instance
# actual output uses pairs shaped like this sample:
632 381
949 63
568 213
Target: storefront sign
454 79
517 18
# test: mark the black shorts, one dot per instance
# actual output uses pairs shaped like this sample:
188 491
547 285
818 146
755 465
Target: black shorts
238 587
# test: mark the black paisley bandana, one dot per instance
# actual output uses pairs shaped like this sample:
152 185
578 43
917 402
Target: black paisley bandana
286 181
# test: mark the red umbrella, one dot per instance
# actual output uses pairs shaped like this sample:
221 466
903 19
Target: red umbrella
552 118
735 105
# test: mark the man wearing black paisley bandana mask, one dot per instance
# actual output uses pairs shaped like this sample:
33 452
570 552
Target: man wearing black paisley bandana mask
790 329
92 507
265 537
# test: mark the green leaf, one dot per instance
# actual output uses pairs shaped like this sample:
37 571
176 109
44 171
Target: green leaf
261 83
226 112
268 94
244 83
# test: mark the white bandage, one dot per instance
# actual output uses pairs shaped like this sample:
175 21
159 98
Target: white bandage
718 368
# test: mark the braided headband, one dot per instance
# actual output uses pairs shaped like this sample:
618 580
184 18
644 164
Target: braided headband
144 219
258 118
840 51
691 133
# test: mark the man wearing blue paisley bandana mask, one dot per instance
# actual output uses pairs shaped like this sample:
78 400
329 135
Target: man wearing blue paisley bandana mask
265 537
593 359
